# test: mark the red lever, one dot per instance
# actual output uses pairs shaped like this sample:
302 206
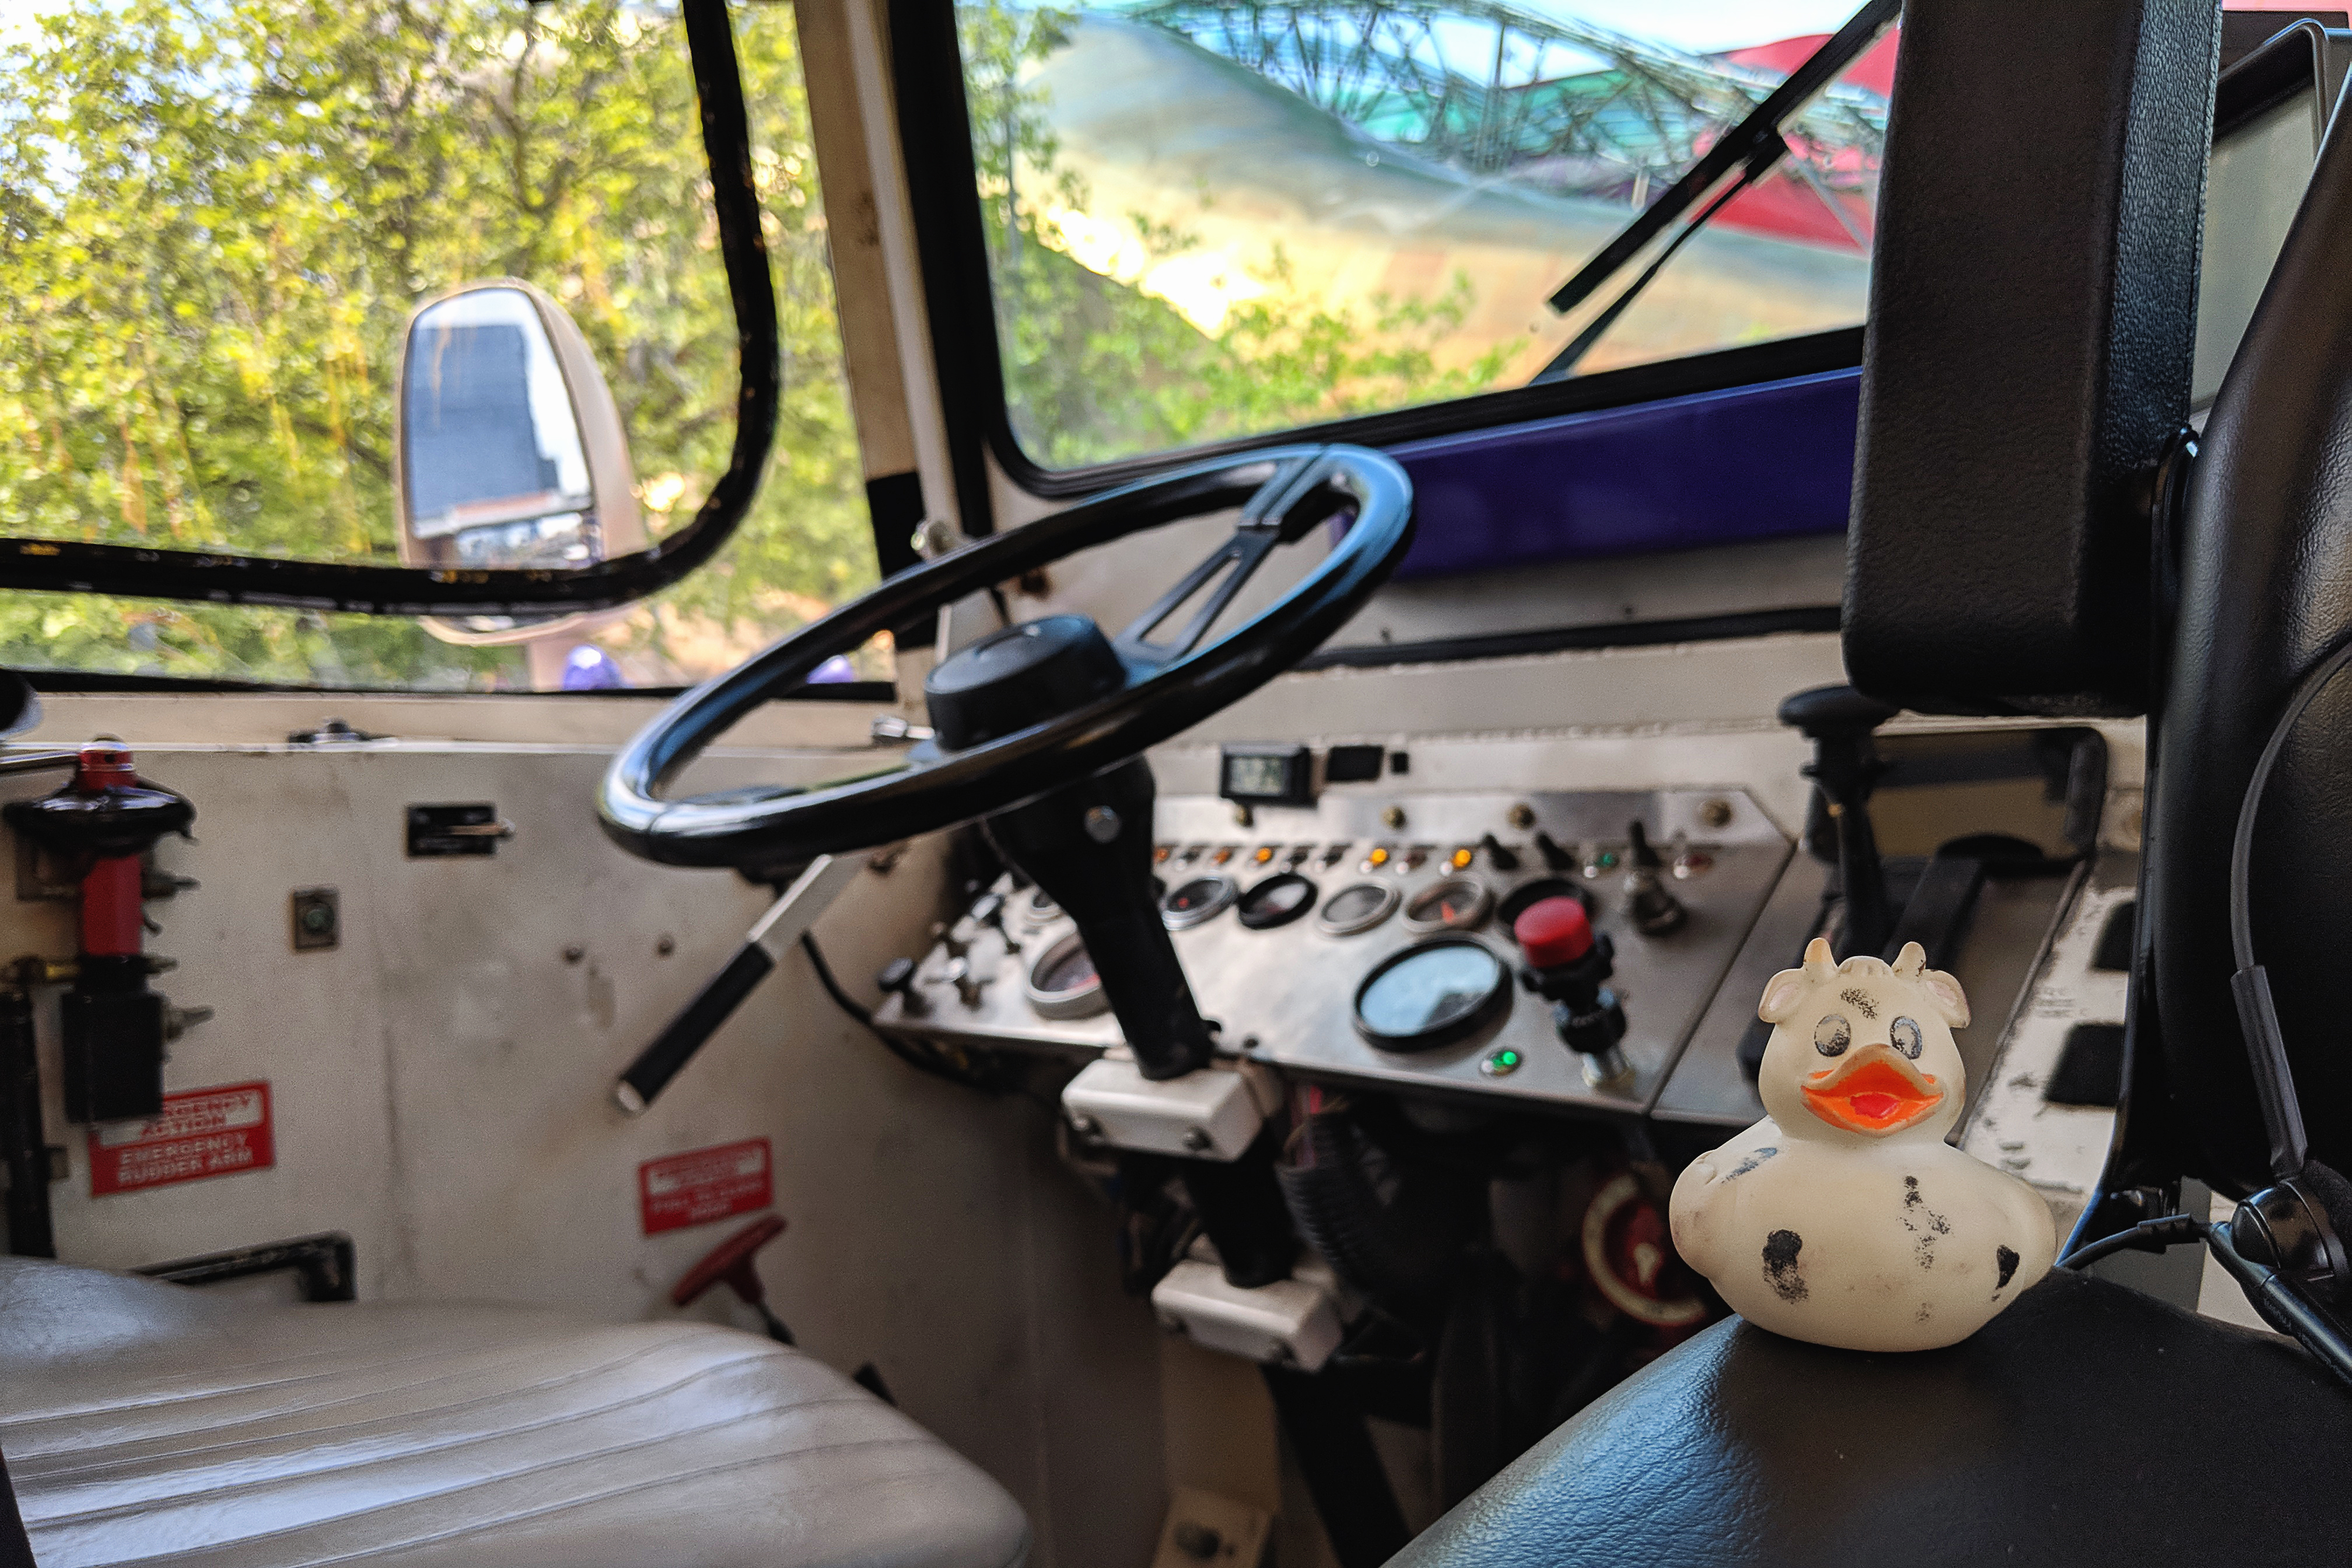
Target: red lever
113 915
733 1263
1552 931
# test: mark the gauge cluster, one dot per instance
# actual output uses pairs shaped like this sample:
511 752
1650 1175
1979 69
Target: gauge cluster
1371 935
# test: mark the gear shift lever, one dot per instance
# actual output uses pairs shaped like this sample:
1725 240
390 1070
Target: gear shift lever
1839 721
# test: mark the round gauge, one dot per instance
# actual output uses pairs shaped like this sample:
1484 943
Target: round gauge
1187 904
1358 907
1519 899
1063 983
1275 902
1438 993
1453 904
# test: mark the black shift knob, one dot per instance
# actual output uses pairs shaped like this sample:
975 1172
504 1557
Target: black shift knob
1834 713
1839 720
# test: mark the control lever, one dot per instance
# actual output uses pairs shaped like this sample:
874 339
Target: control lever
1657 912
897 978
786 919
734 1264
1568 964
1839 720
988 910
1500 858
1555 859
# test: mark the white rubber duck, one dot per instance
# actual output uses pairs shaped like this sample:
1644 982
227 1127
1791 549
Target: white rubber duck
1844 1218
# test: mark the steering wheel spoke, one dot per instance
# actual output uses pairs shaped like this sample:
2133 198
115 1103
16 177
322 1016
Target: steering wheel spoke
1238 559
1274 515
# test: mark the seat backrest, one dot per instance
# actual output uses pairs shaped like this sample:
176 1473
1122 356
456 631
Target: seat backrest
2264 572
2033 319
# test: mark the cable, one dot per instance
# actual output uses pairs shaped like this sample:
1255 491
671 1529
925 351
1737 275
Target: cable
2250 987
2241 933
921 1059
2147 1236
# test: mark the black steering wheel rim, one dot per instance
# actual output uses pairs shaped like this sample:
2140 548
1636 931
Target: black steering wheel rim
780 825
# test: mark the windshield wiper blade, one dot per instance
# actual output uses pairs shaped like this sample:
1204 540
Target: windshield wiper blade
1744 155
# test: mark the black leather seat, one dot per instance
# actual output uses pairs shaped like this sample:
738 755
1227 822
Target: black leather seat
2087 1424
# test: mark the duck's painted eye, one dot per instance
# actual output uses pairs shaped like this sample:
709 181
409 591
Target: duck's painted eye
1833 1035
1905 1034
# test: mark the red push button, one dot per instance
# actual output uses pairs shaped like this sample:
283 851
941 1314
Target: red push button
1553 932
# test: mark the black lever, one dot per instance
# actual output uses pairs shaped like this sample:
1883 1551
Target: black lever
1839 720
1088 845
787 919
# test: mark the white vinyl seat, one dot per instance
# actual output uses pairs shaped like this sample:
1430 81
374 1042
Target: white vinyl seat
145 1423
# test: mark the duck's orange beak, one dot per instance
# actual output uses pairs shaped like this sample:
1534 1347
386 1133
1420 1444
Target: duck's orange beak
1876 1091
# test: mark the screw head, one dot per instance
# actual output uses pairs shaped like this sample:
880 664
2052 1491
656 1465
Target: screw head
1085 1126
1715 812
1102 824
663 945
1197 1138
574 953
1521 817
1393 816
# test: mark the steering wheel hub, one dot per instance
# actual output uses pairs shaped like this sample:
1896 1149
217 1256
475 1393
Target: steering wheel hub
1020 676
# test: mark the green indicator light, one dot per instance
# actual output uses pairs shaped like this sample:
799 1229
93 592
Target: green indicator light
1501 1063
1608 859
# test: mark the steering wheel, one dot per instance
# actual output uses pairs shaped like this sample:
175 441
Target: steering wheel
1122 698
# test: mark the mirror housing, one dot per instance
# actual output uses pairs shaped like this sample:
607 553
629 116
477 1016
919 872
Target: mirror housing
511 450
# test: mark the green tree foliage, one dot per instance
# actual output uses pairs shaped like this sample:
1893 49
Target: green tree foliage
216 216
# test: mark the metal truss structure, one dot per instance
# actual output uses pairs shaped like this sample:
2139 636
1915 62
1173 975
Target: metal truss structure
1494 90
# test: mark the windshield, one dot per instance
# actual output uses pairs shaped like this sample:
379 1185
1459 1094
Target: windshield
1208 220
216 217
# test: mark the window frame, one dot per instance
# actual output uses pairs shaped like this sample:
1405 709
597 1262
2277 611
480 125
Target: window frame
49 566
943 189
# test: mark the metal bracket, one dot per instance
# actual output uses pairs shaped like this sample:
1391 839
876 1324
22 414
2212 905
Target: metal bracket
326 1266
1212 1114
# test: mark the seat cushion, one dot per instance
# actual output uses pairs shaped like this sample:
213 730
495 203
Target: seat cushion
2087 1424
145 1421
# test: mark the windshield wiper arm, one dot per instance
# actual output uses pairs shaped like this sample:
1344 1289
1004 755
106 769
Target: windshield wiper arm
1741 157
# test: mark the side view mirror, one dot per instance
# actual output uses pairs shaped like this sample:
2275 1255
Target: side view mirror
510 449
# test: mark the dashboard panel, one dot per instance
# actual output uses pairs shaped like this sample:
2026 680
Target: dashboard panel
1282 968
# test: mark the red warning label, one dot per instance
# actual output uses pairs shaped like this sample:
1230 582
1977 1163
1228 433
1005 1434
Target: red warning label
205 1132
704 1185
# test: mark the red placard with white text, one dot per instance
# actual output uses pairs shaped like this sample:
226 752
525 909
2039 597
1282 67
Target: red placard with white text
704 1185
205 1132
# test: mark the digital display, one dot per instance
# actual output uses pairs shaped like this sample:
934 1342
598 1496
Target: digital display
1278 776
1255 775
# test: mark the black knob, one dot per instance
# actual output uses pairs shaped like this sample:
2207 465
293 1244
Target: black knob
1500 858
897 978
1555 859
1656 911
1834 713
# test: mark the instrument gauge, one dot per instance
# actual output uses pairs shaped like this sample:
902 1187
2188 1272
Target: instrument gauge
1358 907
1063 983
1451 903
1036 909
1438 993
1274 901
1188 903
